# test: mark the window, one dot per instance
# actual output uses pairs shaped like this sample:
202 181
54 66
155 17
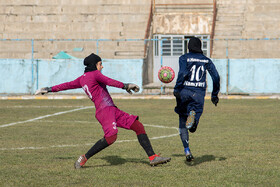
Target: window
205 43
166 46
156 47
171 45
176 45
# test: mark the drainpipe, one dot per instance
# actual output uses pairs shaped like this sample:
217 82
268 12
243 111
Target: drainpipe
97 43
227 67
32 67
162 91
213 27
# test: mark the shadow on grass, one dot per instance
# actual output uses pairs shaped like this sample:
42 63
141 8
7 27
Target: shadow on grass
117 160
201 159
65 158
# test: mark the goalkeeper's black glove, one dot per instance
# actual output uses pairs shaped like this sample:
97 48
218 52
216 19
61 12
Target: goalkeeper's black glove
215 100
128 87
43 91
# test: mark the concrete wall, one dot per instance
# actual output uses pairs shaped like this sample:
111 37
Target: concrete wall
253 76
240 19
126 19
70 19
183 23
22 77
246 76
183 17
127 71
15 76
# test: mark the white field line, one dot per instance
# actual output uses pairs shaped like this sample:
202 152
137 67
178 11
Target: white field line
135 96
36 106
46 116
50 121
118 141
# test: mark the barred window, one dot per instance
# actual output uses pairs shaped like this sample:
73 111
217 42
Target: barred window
170 46
177 45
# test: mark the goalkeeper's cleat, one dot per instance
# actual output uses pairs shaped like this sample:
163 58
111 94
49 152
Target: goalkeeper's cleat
189 156
156 160
80 162
190 120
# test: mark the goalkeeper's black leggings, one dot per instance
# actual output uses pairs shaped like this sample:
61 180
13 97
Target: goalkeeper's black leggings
137 127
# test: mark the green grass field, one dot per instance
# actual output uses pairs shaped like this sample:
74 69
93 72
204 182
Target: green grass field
236 144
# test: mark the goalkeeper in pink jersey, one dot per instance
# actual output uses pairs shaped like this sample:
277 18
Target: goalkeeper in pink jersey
109 116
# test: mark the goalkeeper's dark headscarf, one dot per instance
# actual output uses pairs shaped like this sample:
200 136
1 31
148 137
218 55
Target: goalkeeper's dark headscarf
194 45
91 61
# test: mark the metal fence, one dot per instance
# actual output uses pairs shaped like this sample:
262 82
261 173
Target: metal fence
136 48
230 55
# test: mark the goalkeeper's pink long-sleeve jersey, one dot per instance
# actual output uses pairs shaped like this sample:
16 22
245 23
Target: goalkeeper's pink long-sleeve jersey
94 84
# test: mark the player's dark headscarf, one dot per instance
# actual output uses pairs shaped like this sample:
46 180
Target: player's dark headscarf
195 45
91 61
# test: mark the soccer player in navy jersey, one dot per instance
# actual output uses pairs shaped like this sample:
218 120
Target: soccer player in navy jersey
109 116
190 90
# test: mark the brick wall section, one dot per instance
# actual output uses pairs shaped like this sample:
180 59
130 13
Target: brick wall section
123 19
247 19
67 19
183 17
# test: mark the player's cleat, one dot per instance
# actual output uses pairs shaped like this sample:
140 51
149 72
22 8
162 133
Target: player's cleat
159 160
189 156
80 162
190 120
193 129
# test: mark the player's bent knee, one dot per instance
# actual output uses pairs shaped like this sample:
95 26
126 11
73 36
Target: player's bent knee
138 128
111 139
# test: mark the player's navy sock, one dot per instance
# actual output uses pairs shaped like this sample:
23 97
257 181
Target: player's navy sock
100 145
184 134
146 144
187 151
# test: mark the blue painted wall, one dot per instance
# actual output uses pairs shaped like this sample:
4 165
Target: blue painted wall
126 71
255 75
17 76
222 69
22 76
260 76
53 72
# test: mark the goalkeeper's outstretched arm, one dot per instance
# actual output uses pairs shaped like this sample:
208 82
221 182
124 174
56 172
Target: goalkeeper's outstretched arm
43 91
60 87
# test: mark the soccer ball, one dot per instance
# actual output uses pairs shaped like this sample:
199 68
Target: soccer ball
166 74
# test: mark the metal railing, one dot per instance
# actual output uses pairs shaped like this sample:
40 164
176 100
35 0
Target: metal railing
31 47
254 48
